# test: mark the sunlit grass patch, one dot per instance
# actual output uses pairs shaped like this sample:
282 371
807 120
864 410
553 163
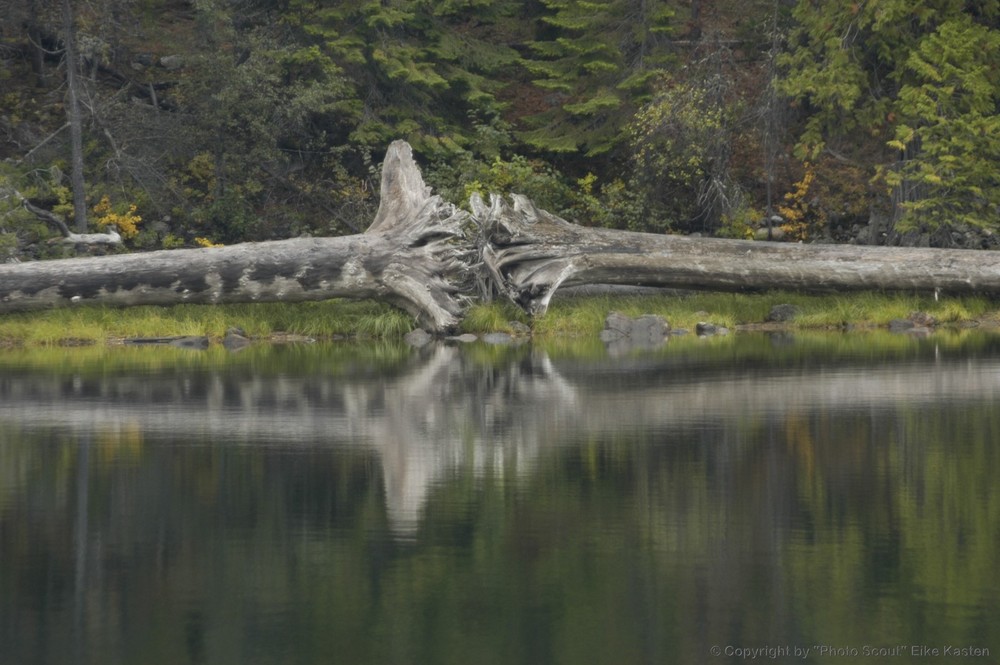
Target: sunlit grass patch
586 315
955 310
99 324
878 309
576 315
494 316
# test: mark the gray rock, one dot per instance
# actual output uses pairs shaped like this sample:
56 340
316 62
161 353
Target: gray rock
922 319
649 327
235 340
519 328
782 313
616 326
705 329
622 334
464 339
900 325
611 335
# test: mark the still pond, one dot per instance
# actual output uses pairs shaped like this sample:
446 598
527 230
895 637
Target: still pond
821 499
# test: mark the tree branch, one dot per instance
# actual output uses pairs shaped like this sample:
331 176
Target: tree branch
112 237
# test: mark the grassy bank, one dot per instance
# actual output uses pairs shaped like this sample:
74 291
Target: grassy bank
568 316
94 325
584 315
733 310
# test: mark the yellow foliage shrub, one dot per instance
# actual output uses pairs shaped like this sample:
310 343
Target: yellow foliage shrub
127 223
796 210
205 242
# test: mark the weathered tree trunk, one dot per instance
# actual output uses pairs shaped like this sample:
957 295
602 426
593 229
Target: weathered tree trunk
415 256
531 253
75 119
433 260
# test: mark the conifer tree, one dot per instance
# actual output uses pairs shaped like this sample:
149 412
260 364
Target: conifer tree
419 68
948 127
595 59
919 78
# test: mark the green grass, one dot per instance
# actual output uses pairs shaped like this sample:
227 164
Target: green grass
492 317
585 315
569 316
89 325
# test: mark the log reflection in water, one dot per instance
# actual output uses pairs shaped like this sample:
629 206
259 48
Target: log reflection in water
447 411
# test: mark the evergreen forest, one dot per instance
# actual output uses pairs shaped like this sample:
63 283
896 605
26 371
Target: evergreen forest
202 122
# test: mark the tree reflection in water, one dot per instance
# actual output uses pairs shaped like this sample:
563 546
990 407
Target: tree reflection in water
510 507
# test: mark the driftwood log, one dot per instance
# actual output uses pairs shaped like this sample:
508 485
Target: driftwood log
433 259
415 255
530 253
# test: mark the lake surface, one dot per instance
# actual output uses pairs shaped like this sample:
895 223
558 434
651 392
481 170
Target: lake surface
822 499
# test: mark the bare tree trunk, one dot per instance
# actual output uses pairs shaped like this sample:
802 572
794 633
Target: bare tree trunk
773 122
694 33
416 256
75 120
433 260
37 49
530 253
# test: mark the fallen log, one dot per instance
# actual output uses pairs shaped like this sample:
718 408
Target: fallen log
530 253
415 255
433 260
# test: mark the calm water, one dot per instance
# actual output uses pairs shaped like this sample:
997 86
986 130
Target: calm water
476 505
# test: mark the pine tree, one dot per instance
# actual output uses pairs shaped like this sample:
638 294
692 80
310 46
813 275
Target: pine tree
595 59
419 68
948 127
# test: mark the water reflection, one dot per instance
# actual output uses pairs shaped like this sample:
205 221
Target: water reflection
465 505
446 409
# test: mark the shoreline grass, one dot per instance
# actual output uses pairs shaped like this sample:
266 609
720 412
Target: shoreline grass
568 316
96 325
585 315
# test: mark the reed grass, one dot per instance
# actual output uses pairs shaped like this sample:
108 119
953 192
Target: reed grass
494 316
